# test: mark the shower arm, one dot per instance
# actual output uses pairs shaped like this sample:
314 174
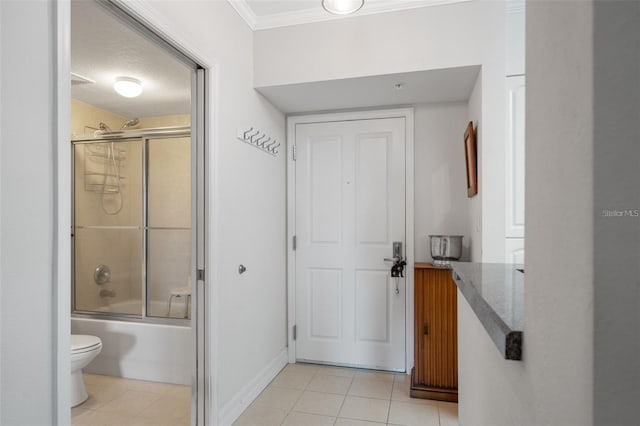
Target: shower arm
130 123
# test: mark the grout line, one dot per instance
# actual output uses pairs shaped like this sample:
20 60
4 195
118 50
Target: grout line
126 387
318 372
302 391
345 398
393 383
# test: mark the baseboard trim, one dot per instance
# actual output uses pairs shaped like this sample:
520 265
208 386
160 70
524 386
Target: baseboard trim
234 408
418 390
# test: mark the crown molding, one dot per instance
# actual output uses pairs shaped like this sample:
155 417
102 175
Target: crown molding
308 16
245 12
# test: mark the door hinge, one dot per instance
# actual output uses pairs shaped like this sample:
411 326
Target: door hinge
295 243
295 332
200 274
294 152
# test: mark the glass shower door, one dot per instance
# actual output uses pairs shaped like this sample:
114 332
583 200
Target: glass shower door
169 227
108 227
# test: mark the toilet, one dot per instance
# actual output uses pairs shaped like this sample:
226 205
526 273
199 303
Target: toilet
84 349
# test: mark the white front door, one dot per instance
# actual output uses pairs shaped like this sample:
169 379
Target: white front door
349 209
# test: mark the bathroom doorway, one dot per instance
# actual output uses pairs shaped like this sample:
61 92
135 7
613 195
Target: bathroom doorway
137 226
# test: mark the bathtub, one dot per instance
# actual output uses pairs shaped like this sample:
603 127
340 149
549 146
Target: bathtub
157 307
138 350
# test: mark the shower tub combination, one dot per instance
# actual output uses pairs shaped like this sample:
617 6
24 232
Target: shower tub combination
132 247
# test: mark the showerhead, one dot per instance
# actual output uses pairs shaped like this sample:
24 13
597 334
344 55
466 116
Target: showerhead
131 123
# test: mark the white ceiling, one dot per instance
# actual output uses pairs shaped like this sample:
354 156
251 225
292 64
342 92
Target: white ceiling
103 48
444 85
268 7
264 14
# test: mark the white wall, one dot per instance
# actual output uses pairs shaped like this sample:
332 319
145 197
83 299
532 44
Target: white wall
491 390
554 383
559 203
440 180
437 37
27 212
515 37
474 204
414 40
247 196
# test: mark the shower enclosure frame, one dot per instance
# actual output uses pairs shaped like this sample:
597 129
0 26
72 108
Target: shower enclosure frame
123 136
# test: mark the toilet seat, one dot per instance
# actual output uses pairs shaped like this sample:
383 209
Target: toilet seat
81 343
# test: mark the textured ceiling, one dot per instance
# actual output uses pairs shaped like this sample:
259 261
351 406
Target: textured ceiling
103 47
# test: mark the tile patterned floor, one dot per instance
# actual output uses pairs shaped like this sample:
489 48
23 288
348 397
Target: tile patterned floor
310 395
301 395
114 401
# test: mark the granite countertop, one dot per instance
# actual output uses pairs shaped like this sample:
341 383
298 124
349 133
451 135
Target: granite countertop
495 292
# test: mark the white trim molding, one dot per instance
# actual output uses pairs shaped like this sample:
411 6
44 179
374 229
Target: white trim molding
245 12
234 408
318 14
292 121
61 271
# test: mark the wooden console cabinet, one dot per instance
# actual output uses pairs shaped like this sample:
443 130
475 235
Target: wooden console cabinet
435 374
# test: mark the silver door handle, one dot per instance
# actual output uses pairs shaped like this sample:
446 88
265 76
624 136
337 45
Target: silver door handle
392 259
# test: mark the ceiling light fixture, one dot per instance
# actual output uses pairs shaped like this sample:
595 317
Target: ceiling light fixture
342 7
128 87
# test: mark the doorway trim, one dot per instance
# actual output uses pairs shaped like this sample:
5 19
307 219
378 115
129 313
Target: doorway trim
61 271
146 16
292 121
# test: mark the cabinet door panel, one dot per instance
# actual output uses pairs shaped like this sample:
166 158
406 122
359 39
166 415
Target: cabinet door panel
515 162
436 356
440 340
